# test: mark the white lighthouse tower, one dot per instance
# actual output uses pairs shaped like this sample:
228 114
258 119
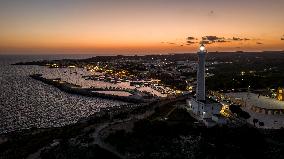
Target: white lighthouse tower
203 108
200 91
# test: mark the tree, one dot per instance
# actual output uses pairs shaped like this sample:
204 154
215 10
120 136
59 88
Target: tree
261 124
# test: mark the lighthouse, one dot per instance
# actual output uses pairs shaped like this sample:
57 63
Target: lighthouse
200 90
201 107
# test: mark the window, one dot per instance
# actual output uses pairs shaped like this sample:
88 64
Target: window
280 90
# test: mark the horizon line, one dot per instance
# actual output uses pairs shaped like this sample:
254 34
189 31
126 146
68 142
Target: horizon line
130 54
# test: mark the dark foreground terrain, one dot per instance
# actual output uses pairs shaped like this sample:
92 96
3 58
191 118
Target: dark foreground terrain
169 133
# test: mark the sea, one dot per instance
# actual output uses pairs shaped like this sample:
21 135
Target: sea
26 103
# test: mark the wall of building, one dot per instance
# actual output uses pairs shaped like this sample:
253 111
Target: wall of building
204 110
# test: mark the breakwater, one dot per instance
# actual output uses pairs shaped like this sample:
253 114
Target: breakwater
76 89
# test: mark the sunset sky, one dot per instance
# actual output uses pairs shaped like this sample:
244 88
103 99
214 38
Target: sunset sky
140 26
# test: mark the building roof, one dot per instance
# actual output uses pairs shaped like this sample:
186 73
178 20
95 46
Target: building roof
258 101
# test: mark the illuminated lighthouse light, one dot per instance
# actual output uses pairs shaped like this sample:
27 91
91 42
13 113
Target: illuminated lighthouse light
202 48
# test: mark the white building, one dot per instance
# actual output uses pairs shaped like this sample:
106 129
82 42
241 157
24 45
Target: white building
202 108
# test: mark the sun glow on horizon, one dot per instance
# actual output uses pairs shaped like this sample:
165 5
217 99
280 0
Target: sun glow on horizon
140 26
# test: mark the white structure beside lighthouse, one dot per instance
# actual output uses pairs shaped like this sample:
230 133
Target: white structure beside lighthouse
201 107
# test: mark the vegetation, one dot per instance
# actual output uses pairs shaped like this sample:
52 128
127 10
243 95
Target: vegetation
237 110
70 151
163 139
29 141
240 70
